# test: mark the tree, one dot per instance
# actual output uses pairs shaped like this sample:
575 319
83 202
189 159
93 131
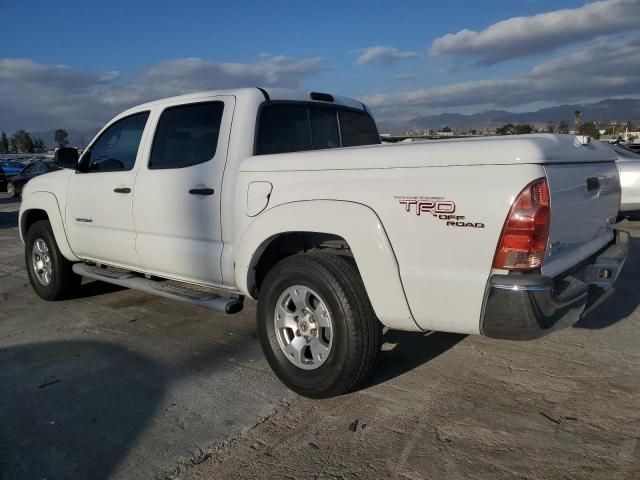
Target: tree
446 129
4 143
22 142
523 129
589 129
576 119
507 129
550 127
61 137
564 127
38 144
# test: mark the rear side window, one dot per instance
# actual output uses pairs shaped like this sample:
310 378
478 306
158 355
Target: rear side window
357 129
186 135
295 127
282 129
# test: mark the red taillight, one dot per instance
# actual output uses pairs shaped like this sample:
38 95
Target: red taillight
524 237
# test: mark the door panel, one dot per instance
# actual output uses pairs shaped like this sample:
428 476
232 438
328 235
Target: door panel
176 202
99 208
99 219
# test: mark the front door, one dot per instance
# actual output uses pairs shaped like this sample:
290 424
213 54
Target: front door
99 201
176 202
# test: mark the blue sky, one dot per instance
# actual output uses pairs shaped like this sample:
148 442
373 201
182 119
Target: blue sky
89 60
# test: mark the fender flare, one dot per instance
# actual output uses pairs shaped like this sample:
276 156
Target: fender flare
47 202
359 226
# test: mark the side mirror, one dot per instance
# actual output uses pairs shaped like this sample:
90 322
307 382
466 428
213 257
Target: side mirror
66 157
85 161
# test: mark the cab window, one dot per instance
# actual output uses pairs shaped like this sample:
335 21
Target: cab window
357 128
283 128
298 126
116 149
186 135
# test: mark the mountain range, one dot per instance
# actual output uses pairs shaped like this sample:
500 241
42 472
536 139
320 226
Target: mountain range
620 110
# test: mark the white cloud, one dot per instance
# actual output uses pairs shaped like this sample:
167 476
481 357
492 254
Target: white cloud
524 36
384 55
35 96
597 71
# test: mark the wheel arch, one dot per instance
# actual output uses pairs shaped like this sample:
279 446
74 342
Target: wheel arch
342 227
44 206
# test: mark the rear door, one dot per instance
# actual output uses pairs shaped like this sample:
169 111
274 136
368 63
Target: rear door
176 203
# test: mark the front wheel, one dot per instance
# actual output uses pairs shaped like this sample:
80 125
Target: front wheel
12 190
49 272
316 325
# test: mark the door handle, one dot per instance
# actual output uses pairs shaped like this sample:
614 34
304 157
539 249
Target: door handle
201 191
122 190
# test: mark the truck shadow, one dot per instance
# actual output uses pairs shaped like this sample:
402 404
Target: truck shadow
405 351
93 288
624 300
73 409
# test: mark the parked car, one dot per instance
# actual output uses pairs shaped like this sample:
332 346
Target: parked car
16 183
11 167
3 181
629 167
210 197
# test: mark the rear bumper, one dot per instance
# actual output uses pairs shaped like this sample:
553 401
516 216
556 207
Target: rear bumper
524 307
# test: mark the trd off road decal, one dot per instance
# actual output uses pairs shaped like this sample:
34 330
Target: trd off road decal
438 207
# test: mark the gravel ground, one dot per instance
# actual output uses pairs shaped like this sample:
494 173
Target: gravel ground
445 406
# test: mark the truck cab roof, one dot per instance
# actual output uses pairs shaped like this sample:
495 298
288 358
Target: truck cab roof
255 94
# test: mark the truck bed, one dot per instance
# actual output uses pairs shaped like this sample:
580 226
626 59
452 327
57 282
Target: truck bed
505 150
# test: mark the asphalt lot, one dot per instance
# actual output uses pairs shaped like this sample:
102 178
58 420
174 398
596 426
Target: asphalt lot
120 384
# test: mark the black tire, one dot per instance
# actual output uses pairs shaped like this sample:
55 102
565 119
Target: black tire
64 283
356 330
12 190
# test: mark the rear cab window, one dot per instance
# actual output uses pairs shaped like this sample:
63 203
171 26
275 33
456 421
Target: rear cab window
357 129
285 127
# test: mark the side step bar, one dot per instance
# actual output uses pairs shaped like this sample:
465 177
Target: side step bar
163 288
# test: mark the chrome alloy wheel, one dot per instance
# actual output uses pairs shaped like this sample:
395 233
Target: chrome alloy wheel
303 327
41 262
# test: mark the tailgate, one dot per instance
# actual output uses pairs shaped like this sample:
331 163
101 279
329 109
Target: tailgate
585 198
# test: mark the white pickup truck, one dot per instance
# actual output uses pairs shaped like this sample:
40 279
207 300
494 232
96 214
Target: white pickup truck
213 197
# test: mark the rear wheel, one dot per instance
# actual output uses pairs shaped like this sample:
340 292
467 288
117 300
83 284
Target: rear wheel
49 272
316 325
12 190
